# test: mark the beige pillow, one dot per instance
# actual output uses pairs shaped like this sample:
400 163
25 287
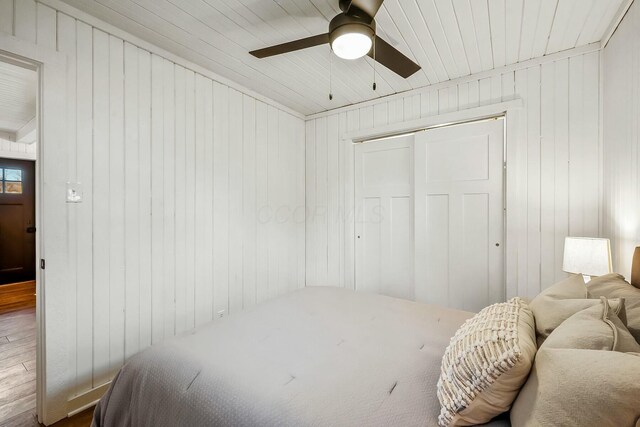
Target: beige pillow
595 328
557 303
594 384
576 387
486 363
614 286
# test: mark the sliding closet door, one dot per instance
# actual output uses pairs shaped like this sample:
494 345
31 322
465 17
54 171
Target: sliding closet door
384 217
459 217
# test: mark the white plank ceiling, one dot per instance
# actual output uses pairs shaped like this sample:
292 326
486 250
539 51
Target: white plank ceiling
448 38
18 88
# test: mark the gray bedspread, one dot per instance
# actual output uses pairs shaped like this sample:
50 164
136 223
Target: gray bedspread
315 357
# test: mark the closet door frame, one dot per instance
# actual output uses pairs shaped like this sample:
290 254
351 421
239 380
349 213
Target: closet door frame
52 290
512 113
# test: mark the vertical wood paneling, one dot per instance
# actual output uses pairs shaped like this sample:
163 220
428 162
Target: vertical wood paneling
621 144
310 202
6 16
175 169
46 27
190 199
249 202
169 207
180 200
132 201
157 197
262 202
25 19
272 178
145 220
533 180
221 198
548 263
544 186
561 160
66 41
322 237
84 214
116 187
207 223
100 228
333 199
236 180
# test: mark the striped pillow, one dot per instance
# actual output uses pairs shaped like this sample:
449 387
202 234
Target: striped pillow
486 363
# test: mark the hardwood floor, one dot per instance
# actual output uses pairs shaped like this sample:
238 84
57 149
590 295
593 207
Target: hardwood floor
17 296
18 360
17 365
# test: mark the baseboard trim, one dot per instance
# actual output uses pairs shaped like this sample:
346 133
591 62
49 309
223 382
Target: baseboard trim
86 400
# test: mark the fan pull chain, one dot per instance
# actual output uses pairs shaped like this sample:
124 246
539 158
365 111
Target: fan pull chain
374 64
330 73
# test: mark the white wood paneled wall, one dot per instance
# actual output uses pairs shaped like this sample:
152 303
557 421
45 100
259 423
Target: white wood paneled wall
193 194
621 88
557 174
17 150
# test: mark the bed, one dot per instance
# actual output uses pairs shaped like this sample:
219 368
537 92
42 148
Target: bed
318 356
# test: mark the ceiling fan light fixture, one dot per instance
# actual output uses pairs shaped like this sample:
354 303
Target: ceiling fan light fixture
351 37
351 45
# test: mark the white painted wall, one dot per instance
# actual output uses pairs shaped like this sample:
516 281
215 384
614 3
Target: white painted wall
193 193
17 150
621 99
556 174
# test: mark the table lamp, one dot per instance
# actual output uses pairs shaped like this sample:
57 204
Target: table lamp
587 256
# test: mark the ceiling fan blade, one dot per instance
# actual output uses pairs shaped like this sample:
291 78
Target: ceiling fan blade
393 59
370 7
291 46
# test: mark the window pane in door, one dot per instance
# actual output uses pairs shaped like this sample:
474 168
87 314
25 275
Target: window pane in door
13 187
12 175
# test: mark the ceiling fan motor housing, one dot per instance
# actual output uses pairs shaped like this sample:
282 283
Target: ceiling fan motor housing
342 24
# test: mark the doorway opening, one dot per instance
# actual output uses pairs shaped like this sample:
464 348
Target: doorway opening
18 146
430 214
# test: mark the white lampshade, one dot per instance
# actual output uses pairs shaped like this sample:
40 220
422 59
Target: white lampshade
586 255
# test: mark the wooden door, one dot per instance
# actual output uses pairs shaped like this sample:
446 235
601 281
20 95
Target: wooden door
384 217
17 221
459 216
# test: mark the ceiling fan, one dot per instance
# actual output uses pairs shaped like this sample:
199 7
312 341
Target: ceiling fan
352 34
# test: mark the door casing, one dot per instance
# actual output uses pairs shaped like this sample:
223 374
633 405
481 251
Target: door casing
52 291
511 111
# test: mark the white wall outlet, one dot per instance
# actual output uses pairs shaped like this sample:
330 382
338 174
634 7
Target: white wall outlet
222 313
74 192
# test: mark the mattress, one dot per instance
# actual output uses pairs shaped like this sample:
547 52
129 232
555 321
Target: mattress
316 357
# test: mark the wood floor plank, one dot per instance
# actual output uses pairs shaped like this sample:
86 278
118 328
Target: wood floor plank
17 365
24 419
19 348
30 365
16 368
18 406
15 315
15 325
15 343
18 359
29 332
18 313
19 391
16 380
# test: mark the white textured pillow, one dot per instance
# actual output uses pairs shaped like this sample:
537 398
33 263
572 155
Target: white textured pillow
486 363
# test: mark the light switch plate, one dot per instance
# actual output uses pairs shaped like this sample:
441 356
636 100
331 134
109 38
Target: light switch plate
74 192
